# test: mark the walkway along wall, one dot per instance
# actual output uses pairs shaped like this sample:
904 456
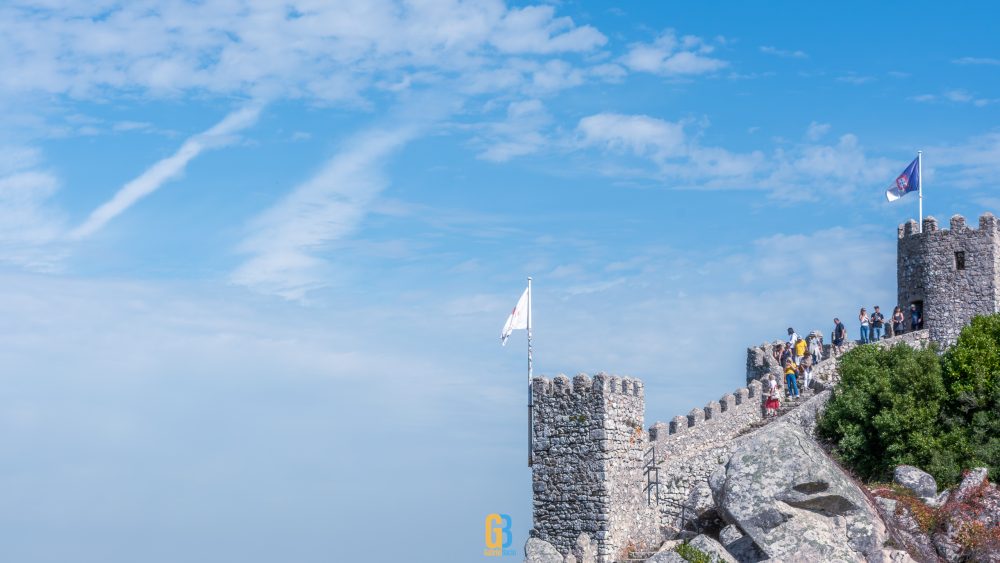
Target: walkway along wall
591 453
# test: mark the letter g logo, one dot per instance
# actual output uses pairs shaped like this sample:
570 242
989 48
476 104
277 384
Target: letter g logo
498 536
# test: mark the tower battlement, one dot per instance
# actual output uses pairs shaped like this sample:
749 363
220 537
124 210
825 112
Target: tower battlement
949 275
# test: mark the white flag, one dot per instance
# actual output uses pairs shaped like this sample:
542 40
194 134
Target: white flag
518 317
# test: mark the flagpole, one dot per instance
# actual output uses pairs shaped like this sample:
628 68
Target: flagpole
920 186
531 421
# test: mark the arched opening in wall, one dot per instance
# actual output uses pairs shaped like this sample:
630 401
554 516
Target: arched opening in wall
916 313
960 260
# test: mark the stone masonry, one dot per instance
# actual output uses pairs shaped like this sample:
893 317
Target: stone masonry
954 273
588 447
592 456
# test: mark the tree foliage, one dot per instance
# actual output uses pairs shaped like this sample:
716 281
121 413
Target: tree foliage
904 406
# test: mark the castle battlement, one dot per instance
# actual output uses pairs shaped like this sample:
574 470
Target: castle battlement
601 384
989 225
712 416
950 275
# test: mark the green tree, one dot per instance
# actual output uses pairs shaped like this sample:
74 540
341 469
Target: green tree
886 411
972 375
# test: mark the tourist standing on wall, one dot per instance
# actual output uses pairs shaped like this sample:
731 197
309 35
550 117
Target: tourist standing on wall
772 404
878 321
792 337
800 350
815 347
915 320
791 385
806 369
863 319
839 335
897 321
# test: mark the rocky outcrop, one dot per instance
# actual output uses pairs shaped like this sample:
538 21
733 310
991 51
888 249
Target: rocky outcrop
955 526
916 481
712 548
793 502
539 551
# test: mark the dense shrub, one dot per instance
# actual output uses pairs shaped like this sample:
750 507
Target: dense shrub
905 406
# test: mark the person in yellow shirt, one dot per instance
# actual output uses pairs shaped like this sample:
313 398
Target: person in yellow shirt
791 384
800 350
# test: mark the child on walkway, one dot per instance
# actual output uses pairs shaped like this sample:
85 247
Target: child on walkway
772 404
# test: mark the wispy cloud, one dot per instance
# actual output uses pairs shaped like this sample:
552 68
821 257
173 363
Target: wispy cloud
815 131
783 53
955 96
30 228
977 61
670 55
325 208
219 135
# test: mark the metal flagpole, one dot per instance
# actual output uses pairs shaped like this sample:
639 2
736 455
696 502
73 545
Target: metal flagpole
530 409
920 187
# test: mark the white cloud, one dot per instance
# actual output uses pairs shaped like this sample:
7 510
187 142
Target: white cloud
955 95
535 29
817 130
977 61
333 51
639 134
783 53
219 135
669 55
325 208
521 133
857 79
29 226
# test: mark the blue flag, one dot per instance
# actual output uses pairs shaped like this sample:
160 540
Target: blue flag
908 181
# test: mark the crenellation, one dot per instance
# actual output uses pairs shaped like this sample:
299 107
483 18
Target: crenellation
742 396
678 424
591 451
713 410
727 403
930 224
696 417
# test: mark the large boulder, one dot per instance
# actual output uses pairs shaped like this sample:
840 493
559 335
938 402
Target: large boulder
540 551
916 481
713 548
793 502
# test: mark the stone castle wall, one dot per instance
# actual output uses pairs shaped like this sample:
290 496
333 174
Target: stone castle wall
927 271
690 447
588 447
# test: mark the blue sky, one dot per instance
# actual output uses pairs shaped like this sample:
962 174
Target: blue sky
256 256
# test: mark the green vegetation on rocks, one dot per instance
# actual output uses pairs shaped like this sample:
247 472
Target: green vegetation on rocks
914 407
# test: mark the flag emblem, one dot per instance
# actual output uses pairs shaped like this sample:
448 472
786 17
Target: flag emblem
908 181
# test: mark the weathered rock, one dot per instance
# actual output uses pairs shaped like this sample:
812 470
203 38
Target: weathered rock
916 481
712 548
570 558
974 504
729 534
539 551
584 550
897 556
669 556
972 480
905 530
794 502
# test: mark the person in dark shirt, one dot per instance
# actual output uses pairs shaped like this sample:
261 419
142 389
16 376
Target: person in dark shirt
878 321
916 322
839 334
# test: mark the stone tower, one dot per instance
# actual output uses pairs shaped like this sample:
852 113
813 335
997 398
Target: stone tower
952 275
589 447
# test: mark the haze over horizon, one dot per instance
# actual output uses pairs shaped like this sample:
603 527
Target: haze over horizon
256 257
